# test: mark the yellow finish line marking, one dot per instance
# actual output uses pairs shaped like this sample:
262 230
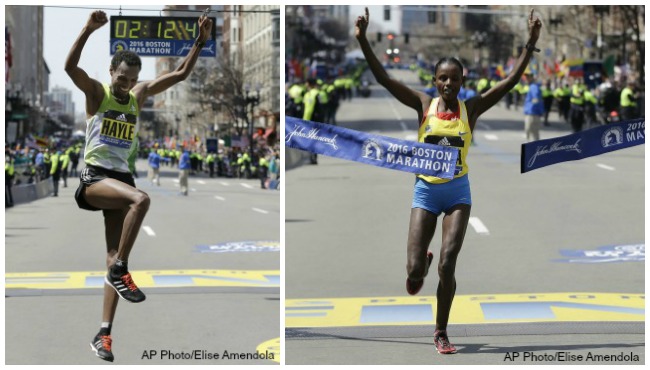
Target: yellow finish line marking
467 309
270 347
145 279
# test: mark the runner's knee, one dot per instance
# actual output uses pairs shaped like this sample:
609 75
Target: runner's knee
447 265
142 201
415 269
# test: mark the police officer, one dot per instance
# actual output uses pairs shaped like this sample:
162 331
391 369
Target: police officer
590 107
294 103
563 95
263 170
314 103
74 159
547 97
577 100
9 178
47 161
55 172
210 161
244 163
64 160
628 101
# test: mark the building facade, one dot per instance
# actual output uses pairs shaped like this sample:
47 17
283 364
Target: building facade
26 78
261 51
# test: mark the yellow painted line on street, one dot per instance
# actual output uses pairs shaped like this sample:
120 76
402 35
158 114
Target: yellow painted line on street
145 279
466 309
270 349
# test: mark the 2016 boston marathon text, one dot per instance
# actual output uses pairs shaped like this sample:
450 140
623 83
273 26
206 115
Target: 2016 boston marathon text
202 355
408 156
562 356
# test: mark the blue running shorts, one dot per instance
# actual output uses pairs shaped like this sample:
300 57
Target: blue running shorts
438 198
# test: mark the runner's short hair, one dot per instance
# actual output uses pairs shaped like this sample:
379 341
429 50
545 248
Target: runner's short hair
130 58
448 60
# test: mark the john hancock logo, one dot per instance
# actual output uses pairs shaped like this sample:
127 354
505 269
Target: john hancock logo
557 146
312 134
372 150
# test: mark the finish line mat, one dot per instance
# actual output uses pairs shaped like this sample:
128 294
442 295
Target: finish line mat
145 279
467 309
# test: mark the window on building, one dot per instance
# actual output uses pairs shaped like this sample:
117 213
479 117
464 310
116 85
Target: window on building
432 16
387 12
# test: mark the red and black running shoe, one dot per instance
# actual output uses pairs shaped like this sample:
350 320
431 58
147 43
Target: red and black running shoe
413 287
441 341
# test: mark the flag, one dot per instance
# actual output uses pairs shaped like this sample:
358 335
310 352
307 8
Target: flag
30 142
8 57
547 68
500 71
42 142
573 67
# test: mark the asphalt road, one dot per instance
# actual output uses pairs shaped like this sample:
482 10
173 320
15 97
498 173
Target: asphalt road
197 299
540 238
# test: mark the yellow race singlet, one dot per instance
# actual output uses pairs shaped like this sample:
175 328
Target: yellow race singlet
453 132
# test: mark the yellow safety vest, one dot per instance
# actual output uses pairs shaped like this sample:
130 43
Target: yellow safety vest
626 94
577 95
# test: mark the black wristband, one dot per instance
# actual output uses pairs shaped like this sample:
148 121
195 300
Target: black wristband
530 47
199 44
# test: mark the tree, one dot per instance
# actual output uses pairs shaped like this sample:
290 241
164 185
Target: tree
218 88
633 16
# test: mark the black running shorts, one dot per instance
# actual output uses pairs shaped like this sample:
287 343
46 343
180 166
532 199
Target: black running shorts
93 174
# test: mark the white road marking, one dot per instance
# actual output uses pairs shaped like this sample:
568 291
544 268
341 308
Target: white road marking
478 226
224 183
192 189
201 182
148 230
606 167
260 210
398 116
219 198
177 181
491 137
246 185
411 137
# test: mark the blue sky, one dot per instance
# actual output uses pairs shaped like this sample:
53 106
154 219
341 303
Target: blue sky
61 28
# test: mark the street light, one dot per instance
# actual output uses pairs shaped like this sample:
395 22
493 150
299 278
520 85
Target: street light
250 101
555 23
478 41
600 10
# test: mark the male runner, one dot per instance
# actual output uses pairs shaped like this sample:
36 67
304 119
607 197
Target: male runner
111 140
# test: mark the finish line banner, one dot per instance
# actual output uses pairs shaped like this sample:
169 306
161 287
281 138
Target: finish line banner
584 144
376 150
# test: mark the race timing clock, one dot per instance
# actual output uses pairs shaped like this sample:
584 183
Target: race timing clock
159 36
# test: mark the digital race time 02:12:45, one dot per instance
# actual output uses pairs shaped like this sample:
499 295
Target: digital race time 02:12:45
157 28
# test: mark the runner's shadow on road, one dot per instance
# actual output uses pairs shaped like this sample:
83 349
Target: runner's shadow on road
333 336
